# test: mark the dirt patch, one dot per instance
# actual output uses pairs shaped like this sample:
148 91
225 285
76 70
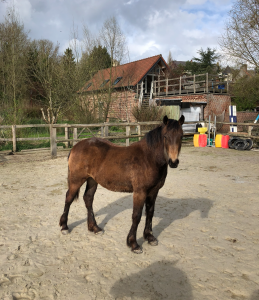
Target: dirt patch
206 222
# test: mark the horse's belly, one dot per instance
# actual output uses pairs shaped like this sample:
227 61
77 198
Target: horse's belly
117 186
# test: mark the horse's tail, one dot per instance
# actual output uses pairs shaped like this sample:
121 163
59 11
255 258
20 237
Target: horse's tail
68 181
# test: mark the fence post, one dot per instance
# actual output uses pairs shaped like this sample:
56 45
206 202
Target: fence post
194 85
127 134
250 130
14 138
139 131
106 130
166 89
102 131
66 136
53 140
180 85
74 136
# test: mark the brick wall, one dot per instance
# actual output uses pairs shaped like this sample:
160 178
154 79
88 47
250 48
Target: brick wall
216 105
243 116
122 105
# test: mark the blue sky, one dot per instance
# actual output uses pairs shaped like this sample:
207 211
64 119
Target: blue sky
151 27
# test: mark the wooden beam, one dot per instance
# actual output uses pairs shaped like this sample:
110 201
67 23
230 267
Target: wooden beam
14 138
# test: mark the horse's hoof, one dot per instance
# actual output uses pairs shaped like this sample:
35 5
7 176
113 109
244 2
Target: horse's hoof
137 250
64 232
101 232
153 243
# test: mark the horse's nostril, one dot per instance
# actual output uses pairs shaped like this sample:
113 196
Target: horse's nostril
173 164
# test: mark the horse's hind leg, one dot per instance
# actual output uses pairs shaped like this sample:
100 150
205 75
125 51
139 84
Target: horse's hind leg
150 207
88 198
71 194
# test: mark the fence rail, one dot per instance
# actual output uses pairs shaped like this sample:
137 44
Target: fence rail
102 133
201 83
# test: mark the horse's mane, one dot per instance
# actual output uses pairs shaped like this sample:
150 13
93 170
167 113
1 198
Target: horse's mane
155 137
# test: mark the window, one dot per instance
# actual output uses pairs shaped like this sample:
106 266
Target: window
105 81
89 84
117 80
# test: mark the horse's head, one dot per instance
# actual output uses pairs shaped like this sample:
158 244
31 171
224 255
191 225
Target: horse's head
173 133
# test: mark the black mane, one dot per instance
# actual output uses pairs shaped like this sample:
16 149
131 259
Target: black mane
154 136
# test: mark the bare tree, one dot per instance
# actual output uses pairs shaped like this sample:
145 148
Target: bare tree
113 39
53 76
169 59
241 38
97 50
13 44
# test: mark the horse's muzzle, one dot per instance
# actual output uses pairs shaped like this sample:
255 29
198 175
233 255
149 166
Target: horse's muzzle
173 164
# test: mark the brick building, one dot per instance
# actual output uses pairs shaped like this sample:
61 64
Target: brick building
118 89
126 86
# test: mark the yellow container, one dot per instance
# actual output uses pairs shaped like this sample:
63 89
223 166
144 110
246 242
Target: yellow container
218 140
202 130
196 140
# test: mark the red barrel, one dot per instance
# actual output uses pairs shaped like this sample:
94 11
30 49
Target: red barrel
224 141
202 140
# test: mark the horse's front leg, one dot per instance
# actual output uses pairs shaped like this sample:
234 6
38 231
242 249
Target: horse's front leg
150 208
138 203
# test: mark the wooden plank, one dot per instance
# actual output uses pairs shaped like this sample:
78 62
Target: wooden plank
127 134
53 142
106 130
250 130
139 131
66 135
32 126
33 139
14 138
241 124
74 136
123 137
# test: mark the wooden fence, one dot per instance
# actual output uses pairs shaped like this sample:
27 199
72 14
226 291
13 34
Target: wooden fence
103 132
202 83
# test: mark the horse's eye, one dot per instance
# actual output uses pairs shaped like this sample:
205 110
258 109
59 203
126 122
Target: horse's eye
165 136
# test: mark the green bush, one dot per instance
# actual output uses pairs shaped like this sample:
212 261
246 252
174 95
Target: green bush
147 113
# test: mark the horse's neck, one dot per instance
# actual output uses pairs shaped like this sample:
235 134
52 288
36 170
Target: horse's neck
156 153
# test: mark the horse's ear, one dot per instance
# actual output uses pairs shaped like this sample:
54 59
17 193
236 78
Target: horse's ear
181 120
165 120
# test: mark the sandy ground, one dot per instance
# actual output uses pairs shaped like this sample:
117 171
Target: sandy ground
206 222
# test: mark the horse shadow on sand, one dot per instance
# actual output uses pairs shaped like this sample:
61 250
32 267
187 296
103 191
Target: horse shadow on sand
255 295
167 209
160 280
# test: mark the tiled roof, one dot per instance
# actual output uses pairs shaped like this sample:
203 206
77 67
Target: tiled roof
131 73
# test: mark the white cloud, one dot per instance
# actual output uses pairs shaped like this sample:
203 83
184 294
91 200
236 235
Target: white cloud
151 27
196 2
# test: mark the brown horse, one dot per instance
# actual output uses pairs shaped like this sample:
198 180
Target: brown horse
140 168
